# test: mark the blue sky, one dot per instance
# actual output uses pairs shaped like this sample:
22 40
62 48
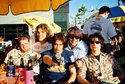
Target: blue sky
89 4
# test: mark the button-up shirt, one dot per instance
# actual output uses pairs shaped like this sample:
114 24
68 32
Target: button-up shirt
105 67
16 55
79 51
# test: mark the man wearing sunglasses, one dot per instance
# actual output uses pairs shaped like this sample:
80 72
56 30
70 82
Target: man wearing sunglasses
75 43
98 67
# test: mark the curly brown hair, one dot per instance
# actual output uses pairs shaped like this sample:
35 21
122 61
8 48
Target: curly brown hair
44 27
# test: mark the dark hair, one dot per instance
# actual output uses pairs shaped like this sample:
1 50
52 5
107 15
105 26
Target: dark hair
104 9
59 36
119 35
24 36
97 35
75 31
15 42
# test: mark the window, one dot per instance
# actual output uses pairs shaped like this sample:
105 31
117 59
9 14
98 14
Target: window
10 31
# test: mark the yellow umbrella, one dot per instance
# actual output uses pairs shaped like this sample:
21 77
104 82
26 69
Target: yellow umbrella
4 7
22 6
34 21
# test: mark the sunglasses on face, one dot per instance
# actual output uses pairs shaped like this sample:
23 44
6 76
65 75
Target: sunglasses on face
76 37
97 42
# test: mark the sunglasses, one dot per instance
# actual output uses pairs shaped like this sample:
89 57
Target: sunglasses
97 42
76 37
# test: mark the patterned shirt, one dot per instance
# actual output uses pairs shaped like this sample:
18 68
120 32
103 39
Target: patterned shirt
106 67
16 55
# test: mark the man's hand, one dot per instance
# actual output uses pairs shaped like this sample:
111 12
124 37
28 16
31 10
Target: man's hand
78 63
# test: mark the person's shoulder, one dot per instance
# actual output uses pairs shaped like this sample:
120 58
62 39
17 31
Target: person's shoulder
91 19
85 59
67 52
82 44
105 20
47 52
106 55
13 51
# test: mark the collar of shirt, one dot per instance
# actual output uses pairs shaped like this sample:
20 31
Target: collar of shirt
27 53
78 46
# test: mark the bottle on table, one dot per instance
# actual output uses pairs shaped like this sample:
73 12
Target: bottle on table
21 63
10 67
29 65
29 73
22 69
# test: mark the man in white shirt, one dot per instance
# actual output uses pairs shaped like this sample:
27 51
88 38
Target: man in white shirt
75 43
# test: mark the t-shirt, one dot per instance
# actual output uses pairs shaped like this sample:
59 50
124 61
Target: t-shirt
100 25
38 47
57 72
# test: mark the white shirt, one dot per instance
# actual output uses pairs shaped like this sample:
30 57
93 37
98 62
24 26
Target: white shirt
39 48
79 51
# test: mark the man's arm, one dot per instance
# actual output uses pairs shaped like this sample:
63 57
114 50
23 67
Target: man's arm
82 80
72 77
48 60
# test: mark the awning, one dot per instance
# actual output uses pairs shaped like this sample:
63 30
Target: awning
23 6
117 14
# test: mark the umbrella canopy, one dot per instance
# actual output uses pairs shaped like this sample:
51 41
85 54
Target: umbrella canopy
117 14
22 6
34 21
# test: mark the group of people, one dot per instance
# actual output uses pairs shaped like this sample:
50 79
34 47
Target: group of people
61 59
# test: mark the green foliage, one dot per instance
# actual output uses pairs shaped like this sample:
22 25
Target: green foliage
81 11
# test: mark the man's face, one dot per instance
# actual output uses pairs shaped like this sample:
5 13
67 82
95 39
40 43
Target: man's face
106 14
119 39
73 40
95 45
58 46
24 45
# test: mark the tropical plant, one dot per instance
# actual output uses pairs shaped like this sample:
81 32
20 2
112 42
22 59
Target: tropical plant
81 11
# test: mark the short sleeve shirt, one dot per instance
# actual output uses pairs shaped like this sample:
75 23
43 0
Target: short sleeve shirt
66 58
100 25
92 68
16 55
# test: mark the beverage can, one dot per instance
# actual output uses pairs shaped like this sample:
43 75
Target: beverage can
11 71
29 77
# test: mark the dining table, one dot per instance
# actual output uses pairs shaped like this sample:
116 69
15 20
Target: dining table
16 79
4 79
